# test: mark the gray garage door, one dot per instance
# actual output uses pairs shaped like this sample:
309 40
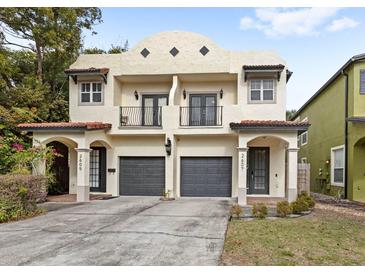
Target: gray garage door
143 176
206 176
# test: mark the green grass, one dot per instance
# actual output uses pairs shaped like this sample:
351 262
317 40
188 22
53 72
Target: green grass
322 238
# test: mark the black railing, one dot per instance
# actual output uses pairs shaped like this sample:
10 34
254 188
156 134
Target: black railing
141 116
201 116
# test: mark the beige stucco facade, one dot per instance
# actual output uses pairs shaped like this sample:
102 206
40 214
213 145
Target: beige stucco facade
219 72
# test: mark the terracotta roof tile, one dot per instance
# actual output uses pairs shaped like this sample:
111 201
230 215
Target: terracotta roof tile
270 124
65 125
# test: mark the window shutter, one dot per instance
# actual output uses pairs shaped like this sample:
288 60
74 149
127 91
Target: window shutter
362 81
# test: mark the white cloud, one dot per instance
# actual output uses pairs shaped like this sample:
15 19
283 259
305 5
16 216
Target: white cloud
294 21
341 24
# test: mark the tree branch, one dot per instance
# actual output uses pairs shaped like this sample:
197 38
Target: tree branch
6 42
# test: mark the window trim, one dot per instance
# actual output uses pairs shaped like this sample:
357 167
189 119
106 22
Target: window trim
261 101
333 149
80 103
304 160
361 92
301 138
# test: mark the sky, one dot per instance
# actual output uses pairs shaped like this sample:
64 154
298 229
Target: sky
315 42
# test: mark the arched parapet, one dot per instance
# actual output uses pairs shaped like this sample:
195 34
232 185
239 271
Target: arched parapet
288 140
97 139
100 143
44 140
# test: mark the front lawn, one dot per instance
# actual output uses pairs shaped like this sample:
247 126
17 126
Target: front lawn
322 238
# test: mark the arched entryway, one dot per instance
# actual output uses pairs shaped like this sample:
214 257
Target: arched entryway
358 169
266 166
60 169
65 166
98 161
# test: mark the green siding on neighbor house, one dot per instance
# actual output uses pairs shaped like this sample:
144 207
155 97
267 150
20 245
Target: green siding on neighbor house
326 114
358 101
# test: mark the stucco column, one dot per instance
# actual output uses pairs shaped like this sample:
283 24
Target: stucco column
39 167
292 173
83 184
169 166
242 175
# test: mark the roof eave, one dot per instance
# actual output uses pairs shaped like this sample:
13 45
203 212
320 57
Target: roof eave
266 128
50 129
99 72
334 77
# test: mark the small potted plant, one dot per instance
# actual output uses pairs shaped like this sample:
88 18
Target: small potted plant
166 196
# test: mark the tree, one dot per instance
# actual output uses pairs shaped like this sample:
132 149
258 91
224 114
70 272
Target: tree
47 30
93 50
290 114
113 49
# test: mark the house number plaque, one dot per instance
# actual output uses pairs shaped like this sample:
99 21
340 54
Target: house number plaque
243 161
80 162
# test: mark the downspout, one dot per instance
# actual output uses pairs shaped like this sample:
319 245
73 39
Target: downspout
346 129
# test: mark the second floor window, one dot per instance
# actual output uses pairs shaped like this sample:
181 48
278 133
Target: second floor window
91 93
362 81
262 90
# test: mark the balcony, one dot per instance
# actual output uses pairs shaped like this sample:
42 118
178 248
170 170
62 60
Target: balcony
140 116
201 116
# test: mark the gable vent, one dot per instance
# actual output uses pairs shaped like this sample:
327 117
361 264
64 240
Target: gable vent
145 52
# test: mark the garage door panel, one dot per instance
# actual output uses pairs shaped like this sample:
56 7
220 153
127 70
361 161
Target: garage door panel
206 176
143 176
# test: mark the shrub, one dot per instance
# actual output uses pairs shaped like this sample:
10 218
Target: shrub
310 200
236 210
283 208
300 205
259 210
19 195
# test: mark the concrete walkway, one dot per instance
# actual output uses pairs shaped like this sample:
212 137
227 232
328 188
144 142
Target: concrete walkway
121 231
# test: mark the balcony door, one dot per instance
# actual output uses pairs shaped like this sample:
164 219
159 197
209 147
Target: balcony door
203 110
151 109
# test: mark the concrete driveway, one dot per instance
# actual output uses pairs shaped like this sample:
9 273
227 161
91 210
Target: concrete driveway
120 231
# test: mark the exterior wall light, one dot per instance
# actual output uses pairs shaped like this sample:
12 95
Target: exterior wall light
136 95
221 93
168 146
184 94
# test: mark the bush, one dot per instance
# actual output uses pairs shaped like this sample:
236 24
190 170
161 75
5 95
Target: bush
310 200
300 205
19 195
236 210
259 210
283 208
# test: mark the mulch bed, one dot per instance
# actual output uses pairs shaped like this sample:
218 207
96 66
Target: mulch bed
340 206
329 200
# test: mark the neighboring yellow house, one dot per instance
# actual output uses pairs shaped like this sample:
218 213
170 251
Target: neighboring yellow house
178 114
334 146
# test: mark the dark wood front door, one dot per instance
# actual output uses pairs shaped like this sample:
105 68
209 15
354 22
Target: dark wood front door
258 170
98 169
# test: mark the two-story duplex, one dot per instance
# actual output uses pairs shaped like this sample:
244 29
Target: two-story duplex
334 145
178 114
